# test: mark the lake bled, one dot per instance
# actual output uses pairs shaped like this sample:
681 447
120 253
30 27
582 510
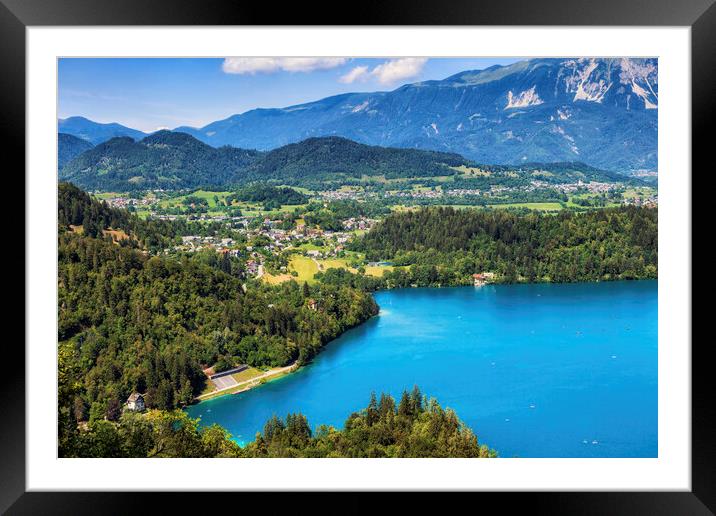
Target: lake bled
543 370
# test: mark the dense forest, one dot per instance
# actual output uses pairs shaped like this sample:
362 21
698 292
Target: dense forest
414 427
164 159
130 321
271 196
69 147
445 246
329 157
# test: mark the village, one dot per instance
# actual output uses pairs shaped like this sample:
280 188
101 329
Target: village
255 244
269 243
495 192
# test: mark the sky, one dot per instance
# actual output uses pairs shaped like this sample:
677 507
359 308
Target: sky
154 93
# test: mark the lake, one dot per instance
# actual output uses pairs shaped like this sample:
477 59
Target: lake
542 370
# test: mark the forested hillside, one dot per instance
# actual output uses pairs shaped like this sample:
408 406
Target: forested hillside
332 157
173 160
271 196
162 160
415 427
94 218
68 147
130 321
447 245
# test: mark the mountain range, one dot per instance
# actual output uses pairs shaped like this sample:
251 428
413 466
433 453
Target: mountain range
175 160
600 111
95 132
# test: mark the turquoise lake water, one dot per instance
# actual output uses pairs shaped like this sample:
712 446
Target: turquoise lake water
535 370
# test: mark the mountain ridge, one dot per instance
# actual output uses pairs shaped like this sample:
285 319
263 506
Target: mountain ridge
175 160
95 132
602 111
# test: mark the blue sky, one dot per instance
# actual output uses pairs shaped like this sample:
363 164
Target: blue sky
153 93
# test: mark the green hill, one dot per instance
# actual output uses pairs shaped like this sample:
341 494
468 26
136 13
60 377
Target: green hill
69 147
175 160
162 160
332 157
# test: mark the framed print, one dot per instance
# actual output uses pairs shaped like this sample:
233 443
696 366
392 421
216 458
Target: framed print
425 256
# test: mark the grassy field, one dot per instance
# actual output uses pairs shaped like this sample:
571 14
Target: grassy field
103 196
378 270
538 206
247 374
305 267
275 279
471 171
242 376
307 246
639 191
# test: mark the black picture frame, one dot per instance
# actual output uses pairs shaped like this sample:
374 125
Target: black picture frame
700 15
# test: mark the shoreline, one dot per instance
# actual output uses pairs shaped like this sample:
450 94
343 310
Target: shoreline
280 372
246 385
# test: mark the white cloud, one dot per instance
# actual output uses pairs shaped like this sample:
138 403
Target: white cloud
254 65
359 73
398 69
388 72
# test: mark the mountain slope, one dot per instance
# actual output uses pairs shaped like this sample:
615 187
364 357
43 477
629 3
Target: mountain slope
94 132
599 111
177 160
68 147
162 160
329 157
172 160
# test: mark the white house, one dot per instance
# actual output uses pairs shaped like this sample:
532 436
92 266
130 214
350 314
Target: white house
135 402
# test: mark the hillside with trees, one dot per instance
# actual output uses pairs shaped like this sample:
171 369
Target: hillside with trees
164 159
414 427
174 160
130 321
69 147
80 211
446 246
332 157
272 197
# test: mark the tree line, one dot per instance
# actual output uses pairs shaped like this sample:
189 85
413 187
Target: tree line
446 246
415 426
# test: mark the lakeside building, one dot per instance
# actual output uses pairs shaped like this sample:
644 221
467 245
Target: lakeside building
481 278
